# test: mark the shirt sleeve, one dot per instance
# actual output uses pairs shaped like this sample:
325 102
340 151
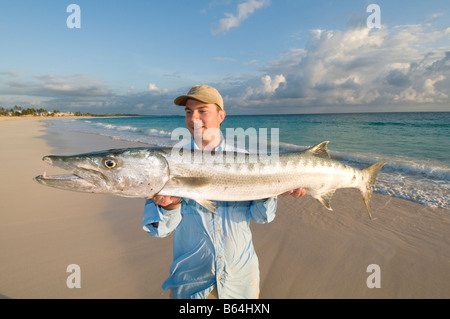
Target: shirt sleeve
263 210
167 220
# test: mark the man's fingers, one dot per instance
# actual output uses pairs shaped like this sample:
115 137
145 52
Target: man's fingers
299 192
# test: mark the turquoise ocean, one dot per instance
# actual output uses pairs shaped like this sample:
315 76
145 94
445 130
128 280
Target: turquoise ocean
415 145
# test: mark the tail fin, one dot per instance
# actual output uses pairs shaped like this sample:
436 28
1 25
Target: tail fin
367 190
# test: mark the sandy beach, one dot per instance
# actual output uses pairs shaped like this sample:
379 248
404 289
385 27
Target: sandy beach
306 252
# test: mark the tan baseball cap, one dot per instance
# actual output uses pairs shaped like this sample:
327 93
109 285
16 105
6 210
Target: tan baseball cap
202 93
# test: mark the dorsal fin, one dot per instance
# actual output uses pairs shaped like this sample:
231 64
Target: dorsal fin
319 149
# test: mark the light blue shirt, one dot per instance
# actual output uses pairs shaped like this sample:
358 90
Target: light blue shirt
211 249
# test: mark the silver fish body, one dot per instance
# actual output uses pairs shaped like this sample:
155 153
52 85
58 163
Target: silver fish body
206 177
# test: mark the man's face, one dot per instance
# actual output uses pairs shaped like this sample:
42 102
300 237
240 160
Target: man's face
202 117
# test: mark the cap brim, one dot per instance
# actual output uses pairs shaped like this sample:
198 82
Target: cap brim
181 100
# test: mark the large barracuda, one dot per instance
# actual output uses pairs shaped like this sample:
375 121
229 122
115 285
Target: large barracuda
206 177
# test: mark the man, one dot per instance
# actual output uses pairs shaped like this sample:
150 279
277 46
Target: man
213 254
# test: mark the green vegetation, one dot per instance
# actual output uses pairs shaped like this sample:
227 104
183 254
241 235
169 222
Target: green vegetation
19 111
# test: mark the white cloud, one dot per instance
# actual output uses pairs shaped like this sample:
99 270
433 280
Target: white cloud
222 59
270 85
131 90
51 85
55 91
267 88
152 87
243 11
359 66
405 66
428 85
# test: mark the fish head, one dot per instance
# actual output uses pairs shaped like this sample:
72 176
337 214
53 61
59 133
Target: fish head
123 172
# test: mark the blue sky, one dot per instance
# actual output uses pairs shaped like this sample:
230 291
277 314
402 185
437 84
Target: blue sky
264 56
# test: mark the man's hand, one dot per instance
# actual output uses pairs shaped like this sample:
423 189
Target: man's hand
166 202
299 192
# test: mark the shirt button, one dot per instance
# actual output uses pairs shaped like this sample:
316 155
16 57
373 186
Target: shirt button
218 231
220 256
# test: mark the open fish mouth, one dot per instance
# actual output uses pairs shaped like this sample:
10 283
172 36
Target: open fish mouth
60 177
80 179
65 181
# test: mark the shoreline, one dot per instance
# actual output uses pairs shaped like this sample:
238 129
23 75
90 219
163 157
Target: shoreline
32 117
306 252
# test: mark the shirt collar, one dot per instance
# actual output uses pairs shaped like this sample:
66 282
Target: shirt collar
221 147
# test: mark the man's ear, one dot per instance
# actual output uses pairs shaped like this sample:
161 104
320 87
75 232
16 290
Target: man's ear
222 115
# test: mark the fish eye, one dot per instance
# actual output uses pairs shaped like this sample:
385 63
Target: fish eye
109 163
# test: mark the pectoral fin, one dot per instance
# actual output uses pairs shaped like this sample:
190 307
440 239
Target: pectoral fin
191 182
194 182
209 205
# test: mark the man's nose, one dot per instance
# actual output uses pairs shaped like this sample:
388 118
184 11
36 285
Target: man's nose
195 115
